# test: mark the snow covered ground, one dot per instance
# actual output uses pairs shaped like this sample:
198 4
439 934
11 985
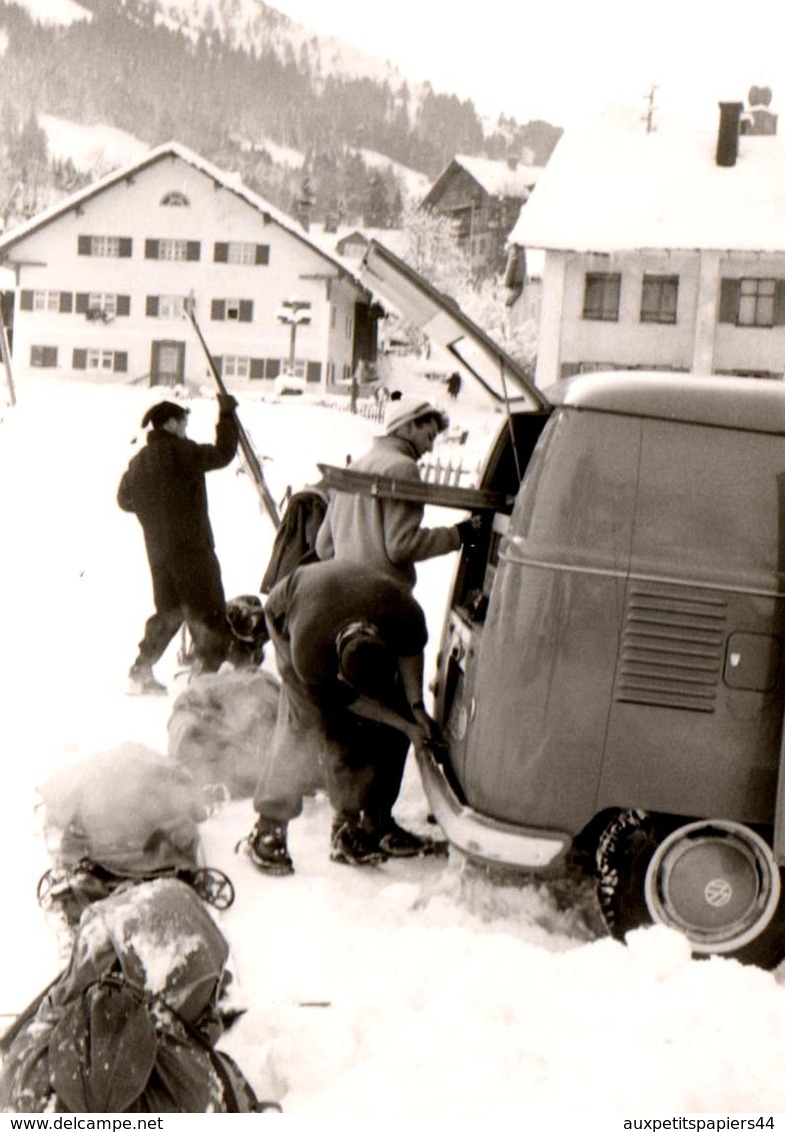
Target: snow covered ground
417 988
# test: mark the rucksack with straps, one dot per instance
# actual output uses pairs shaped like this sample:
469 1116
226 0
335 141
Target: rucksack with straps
131 1024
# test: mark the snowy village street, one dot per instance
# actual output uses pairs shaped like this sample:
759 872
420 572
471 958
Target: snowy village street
417 987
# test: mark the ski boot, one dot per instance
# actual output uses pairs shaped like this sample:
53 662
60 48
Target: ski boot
141 682
350 844
266 847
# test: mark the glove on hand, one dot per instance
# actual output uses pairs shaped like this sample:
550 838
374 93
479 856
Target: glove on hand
469 530
226 404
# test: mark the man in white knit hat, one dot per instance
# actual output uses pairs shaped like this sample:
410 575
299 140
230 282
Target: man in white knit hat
387 534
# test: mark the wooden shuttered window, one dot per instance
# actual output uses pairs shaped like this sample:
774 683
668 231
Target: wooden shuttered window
151 306
256 372
65 303
261 253
123 305
82 299
232 310
43 357
313 371
125 245
193 250
120 361
79 360
730 303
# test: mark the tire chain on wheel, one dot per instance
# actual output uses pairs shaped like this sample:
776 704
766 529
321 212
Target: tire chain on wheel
606 858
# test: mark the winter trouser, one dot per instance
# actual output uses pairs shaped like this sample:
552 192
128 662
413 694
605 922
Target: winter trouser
188 588
360 763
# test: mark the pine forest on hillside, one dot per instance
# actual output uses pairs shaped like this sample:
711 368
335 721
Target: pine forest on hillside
124 70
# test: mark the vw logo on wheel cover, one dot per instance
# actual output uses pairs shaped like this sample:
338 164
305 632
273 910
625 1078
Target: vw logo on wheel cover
718 892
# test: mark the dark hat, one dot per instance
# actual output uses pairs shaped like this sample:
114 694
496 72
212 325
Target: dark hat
158 415
365 662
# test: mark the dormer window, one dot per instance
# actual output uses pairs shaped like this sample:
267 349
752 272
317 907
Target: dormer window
175 199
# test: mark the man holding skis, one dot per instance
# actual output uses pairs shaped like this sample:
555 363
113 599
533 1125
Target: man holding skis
164 486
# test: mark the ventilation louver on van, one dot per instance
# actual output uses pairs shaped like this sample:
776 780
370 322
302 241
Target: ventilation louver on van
672 647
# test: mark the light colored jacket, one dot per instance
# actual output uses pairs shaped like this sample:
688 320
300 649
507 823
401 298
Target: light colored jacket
383 533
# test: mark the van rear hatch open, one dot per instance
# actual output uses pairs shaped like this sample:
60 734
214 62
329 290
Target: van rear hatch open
475 355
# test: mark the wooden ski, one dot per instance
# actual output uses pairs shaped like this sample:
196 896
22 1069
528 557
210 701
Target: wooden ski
436 494
247 449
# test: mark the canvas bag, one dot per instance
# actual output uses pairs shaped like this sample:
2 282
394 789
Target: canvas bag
131 1024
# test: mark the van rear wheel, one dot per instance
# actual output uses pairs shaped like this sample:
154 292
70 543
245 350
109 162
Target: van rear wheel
715 881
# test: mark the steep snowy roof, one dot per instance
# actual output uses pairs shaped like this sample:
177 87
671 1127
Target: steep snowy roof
229 181
611 186
498 177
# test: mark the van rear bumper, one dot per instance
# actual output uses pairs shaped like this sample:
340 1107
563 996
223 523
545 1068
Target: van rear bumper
482 837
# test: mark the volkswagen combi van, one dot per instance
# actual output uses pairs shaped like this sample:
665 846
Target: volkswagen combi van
610 676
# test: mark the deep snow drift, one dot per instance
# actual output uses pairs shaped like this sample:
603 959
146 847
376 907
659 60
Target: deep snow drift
417 987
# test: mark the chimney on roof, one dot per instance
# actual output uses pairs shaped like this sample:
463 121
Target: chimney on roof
759 119
728 135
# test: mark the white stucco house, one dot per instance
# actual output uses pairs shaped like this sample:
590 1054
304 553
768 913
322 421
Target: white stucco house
663 249
102 278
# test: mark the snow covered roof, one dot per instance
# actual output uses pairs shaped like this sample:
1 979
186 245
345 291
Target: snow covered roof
392 238
499 178
229 181
610 186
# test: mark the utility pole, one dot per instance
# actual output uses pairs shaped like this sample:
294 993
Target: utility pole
648 115
294 313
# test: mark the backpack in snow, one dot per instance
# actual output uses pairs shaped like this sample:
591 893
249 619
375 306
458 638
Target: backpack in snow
295 539
131 1024
123 814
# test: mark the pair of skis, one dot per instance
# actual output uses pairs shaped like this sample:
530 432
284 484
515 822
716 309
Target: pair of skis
250 458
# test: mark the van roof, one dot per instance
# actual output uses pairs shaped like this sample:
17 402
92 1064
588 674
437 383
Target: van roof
751 404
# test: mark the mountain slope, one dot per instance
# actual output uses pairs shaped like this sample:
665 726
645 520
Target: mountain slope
232 79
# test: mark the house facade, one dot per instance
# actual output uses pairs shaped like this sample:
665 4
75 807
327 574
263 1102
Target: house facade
663 250
483 197
102 280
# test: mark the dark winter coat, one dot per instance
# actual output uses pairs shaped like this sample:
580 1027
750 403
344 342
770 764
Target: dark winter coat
164 486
